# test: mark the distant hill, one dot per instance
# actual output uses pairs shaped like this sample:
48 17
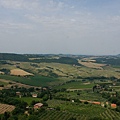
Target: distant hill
38 58
118 55
13 57
111 60
64 60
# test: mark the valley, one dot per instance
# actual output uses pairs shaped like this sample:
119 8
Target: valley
72 87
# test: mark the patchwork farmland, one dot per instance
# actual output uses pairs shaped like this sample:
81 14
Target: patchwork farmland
67 90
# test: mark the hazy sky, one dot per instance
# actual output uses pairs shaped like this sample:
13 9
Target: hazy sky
60 26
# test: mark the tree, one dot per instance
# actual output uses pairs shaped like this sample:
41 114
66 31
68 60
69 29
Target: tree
118 109
34 102
17 110
5 116
13 118
95 118
72 118
85 102
113 100
31 89
33 117
58 108
22 117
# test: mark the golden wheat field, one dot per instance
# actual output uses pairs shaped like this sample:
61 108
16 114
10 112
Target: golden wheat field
19 72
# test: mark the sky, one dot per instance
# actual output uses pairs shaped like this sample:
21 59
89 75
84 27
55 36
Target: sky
89 27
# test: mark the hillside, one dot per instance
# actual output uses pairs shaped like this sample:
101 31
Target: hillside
13 57
110 60
59 67
36 58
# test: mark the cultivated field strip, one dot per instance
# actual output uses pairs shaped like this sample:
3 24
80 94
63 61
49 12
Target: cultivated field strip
110 115
58 115
6 108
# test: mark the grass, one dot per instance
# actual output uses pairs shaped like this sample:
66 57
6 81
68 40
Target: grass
28 99
34 81
115 66
81 95
91 96
76 85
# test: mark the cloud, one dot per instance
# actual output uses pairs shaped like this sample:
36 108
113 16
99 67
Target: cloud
19 4
12 28
58 22
12 4
115 19
52 15
35 5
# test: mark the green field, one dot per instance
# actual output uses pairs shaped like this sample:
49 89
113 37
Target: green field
91 96
81 95
76 85
28 99
34 81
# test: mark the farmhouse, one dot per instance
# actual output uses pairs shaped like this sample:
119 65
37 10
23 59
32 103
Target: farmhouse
102 104
38 105
107 103
18 93
113 106
97 103
73 101
2 73
34 95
